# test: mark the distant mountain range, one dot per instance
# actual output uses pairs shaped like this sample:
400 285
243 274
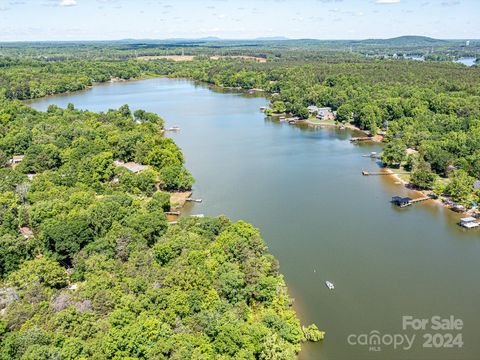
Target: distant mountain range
408 40
405 40
396 41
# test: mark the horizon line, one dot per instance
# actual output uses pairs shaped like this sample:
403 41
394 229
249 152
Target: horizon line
215 38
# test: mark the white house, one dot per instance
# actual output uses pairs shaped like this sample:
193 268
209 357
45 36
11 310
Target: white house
135 167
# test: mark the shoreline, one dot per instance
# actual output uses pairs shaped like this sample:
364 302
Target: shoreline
422 193
349 126
95 84
178 199
391 172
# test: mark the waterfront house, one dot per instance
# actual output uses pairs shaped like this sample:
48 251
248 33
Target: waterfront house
132 166
326 113
16 159
312 109
401 201
330 116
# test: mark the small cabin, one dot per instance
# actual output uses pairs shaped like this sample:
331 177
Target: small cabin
16 159
135 167
326 113
469 222
401 201
26 232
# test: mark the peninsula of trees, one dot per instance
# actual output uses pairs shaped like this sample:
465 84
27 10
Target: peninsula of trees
89 266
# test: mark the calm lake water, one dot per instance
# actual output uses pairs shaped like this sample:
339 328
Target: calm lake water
469 61
319 216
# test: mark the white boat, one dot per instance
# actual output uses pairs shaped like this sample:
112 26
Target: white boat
329 285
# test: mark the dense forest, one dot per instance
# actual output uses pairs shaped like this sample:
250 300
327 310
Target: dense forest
271 48
90 267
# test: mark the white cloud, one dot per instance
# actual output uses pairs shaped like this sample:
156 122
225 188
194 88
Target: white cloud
387 1
68 2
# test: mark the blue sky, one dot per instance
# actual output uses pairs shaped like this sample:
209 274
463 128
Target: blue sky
235 19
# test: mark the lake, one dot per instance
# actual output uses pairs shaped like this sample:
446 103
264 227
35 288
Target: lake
320 217
468 61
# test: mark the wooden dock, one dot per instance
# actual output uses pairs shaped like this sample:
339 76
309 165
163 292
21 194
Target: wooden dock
372 155
363 138
417 200
406 201
379 173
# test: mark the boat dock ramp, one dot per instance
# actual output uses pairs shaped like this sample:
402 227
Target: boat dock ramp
359 139
402 202
369 173
373 155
